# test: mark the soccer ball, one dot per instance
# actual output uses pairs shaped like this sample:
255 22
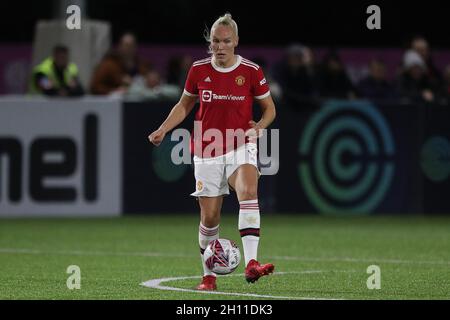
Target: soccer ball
222 256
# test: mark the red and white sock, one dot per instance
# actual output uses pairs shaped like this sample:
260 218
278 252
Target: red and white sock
205 235
249 223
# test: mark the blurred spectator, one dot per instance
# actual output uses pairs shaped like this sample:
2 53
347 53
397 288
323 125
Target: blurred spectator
151 87
446 83
375 86
334 81
298 76
116 71
414 84
420 45
56 76
275 89
178 69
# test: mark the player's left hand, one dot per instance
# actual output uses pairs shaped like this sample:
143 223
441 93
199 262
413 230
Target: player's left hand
156 137
254 132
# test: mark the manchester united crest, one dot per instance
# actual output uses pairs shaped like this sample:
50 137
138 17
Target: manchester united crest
240 80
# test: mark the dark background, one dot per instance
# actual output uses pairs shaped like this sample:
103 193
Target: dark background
410 191
315 23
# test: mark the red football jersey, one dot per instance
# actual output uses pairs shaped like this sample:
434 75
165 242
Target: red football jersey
226 100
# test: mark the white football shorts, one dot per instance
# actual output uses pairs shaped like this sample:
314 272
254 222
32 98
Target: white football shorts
211 174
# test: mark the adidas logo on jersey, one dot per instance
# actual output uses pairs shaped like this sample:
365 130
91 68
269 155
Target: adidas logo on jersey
208 79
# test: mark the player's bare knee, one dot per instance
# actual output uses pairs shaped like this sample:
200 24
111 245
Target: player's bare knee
210 218
210 221
247 193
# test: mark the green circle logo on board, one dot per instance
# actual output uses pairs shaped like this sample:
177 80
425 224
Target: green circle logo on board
435 158
163 165
346 150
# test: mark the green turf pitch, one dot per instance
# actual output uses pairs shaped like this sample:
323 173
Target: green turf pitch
315 257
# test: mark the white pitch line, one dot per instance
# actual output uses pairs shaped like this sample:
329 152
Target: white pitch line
181 255
93 253
156 284
371 260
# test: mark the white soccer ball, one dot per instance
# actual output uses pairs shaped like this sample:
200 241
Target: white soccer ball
222 256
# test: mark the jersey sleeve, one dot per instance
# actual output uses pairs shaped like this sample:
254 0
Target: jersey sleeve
260 87
190 87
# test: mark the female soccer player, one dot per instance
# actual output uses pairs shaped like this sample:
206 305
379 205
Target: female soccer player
226 85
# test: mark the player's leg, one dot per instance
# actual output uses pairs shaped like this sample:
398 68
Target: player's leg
244 181
209 225
208 230
210 208
211 186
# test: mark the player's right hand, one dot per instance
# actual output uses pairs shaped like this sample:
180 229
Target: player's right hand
156 137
